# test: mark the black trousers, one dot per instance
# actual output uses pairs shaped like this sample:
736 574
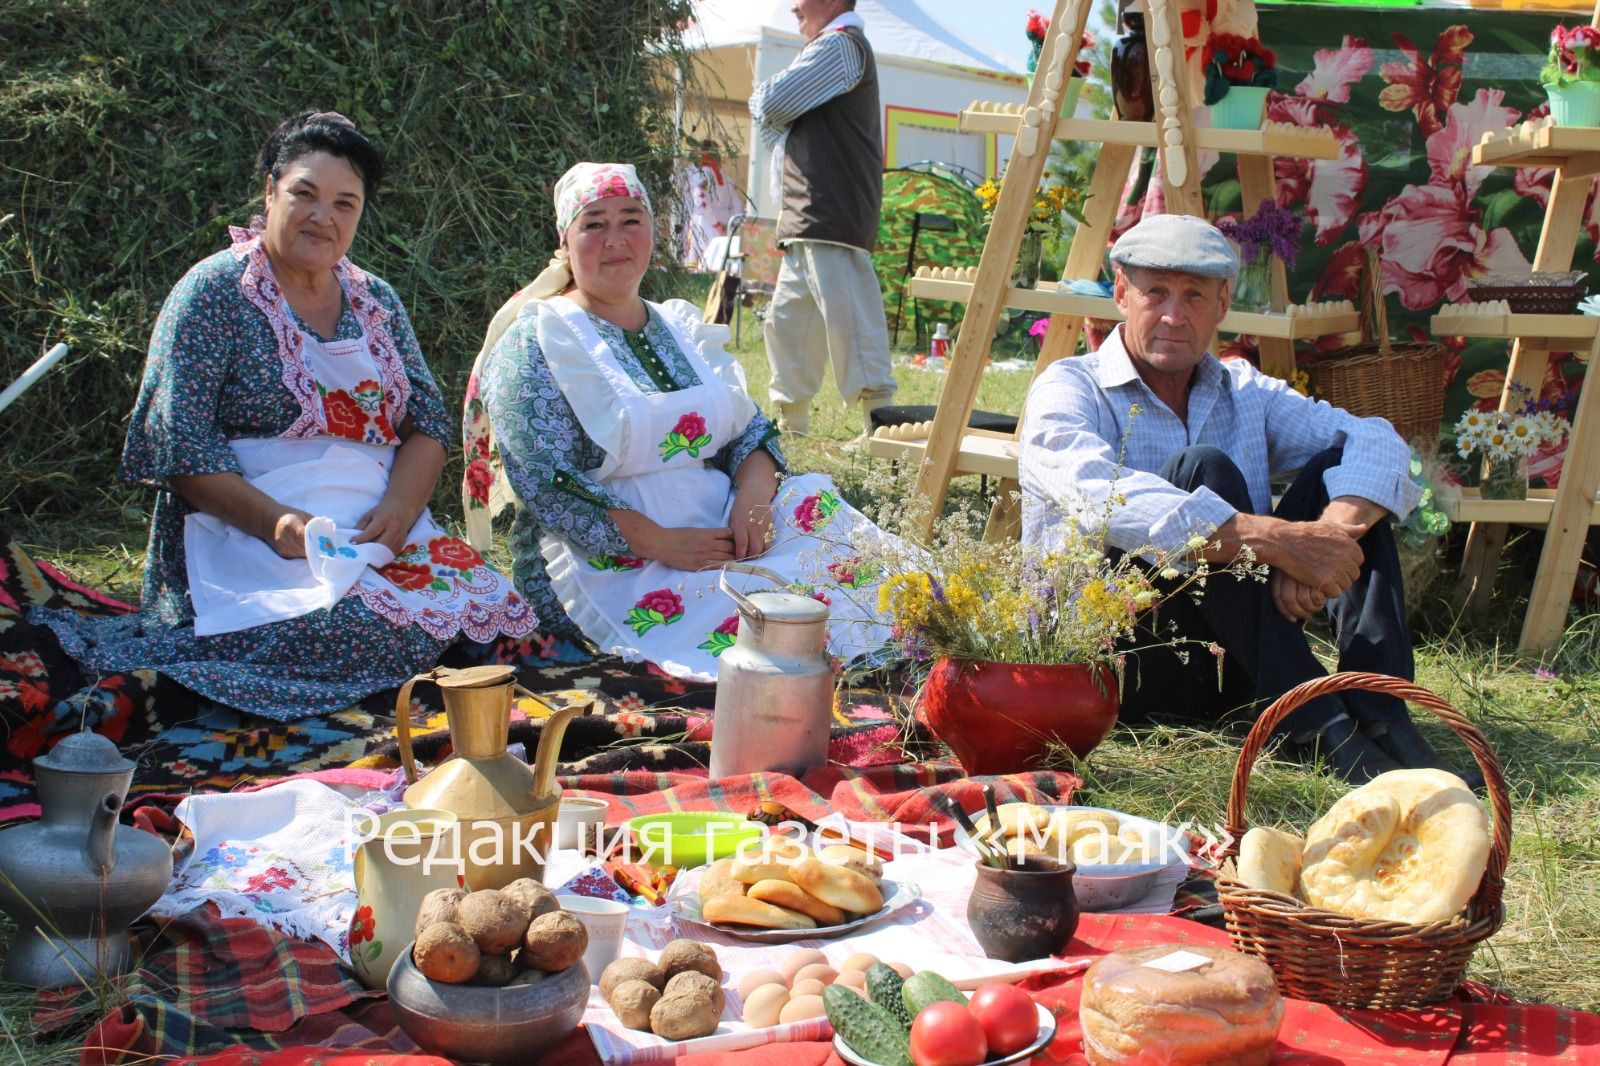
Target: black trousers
1265 653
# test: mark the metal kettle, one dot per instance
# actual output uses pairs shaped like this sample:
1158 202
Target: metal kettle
75 880
774 685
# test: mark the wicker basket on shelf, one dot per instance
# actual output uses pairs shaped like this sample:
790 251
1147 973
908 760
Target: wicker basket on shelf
1340 960
1403 383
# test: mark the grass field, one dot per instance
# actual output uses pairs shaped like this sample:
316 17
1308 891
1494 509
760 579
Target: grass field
1543 719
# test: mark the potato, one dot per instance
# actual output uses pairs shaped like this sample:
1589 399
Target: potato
690 1014
437 906
682 955
535 898
444 952
756 978
631 970
692 980
495 970
632 1002
763 1005
800 1008
491 919
554 941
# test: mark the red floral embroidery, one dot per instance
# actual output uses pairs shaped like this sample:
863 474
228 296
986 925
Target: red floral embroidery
409 576
479 481
691 425
344 416
275 877
454 552
729 625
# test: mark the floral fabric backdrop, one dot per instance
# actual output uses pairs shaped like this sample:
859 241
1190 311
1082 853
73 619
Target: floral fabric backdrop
1407 97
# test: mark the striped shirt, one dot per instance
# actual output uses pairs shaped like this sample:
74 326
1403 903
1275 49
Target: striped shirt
1078 420
828 66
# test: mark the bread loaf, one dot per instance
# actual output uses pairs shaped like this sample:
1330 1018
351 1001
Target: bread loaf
845 889
1226 1009
853 858
792 897
1408 846
718 879
1270 859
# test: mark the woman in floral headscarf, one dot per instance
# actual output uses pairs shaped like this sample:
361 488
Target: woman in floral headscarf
293 435
638 465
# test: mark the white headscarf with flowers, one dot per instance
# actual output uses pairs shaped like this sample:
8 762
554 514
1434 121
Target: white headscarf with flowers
484 490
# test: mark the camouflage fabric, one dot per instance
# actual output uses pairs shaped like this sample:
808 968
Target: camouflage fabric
905 193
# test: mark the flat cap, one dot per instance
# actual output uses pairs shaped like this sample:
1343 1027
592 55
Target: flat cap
1182 243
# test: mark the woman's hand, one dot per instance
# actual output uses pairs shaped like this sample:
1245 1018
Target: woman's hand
751 517
680 547
289 534
388 524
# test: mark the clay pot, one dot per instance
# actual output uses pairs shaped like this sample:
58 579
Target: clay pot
1026 912
1000 718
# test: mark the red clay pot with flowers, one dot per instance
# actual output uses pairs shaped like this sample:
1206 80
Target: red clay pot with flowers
1000 718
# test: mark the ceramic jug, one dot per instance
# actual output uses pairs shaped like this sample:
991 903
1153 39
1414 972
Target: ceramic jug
506 809
75 880
394 869
775 685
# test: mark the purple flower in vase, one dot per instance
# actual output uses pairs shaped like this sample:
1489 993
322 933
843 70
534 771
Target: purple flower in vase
1271 229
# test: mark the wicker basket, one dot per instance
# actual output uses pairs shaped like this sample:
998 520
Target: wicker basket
1332 958
1403 383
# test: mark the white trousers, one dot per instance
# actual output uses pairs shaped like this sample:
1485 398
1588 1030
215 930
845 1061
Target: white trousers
827 306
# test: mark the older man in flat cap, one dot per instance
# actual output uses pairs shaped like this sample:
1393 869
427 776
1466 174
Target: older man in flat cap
1198 458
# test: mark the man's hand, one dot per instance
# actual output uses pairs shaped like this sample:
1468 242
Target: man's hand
1323 555
289 534
1295 600
388 524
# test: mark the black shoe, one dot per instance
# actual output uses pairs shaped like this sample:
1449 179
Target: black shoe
1402 741
1348 752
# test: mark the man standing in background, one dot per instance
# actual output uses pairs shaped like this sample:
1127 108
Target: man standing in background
820 117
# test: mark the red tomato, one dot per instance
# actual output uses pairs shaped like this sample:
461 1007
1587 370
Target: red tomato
1007 1016
947 1034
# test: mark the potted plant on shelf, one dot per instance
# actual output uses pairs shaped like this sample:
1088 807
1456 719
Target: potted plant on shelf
1571 76
1022 647
1271 231
1052 205
1503 441
1037 27
1239 74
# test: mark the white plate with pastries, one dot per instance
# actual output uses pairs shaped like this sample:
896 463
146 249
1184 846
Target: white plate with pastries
759 895
1119 856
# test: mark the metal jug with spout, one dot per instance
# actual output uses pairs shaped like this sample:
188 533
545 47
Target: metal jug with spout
775 685
75 880
505 809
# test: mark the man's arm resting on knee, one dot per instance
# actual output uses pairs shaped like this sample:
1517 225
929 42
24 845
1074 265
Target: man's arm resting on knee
1322 554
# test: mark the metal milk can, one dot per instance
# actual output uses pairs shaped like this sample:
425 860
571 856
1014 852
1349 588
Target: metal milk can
75 880
775 685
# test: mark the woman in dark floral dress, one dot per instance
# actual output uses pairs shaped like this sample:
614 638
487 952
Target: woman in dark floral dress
293 434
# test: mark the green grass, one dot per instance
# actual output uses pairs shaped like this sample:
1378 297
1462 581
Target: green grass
1545 727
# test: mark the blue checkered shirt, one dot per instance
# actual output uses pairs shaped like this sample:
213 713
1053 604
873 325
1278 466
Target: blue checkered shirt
1077 420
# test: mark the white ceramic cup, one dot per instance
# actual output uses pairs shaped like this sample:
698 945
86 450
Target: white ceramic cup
606 921
579 821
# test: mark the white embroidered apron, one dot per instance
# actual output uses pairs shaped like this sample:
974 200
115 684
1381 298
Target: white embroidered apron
237 581
658 450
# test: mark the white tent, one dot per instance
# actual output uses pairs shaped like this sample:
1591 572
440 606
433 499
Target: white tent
926 74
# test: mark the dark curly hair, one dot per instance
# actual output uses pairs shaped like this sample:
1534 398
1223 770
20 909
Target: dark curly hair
321 131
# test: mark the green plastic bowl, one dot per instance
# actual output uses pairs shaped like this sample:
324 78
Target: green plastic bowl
685 840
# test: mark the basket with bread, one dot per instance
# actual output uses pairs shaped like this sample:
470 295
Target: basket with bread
781 889
1384 899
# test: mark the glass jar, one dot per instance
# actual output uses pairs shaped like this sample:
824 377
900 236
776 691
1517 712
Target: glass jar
1252 289
1030 256
1505 479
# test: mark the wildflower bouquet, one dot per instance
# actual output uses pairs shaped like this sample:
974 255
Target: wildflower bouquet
1051 205
1574 56
1505 440
1037 27
1229 59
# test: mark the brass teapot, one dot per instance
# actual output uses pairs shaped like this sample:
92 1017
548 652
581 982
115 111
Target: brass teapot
74 880
505 809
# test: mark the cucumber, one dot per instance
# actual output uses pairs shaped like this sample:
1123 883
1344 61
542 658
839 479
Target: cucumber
872 1032
927 987
883 988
